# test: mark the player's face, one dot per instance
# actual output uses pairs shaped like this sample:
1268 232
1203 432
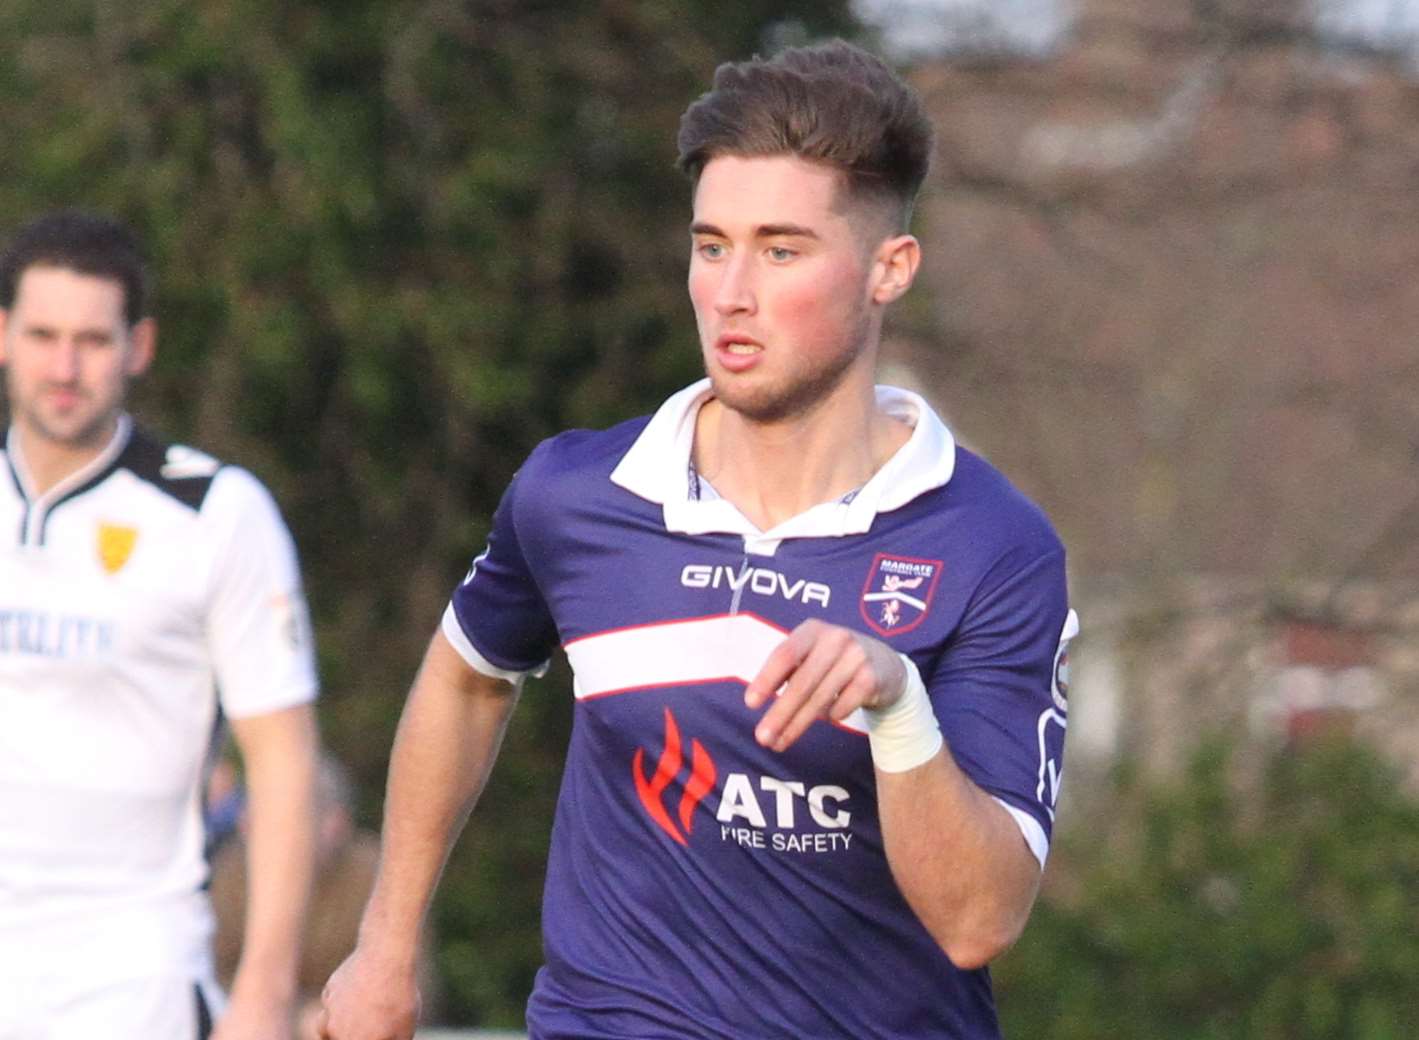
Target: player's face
68 353
782 278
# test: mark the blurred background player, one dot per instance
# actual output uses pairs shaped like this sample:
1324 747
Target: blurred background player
346 858
225 801
147 593
812 773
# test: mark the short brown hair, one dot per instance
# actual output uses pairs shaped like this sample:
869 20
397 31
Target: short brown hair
833 103
89 243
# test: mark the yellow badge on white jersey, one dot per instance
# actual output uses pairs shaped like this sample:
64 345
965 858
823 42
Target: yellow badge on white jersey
115 545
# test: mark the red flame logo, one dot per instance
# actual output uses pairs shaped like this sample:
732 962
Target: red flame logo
700 783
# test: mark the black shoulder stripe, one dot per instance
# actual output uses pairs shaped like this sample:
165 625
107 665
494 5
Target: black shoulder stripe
145 457
74 492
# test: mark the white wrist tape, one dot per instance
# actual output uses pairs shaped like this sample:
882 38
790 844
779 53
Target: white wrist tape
906 734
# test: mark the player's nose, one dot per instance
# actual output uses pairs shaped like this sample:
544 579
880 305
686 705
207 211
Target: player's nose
735 293
63 361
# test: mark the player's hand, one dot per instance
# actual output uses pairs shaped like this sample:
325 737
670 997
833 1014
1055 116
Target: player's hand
369 998
824 672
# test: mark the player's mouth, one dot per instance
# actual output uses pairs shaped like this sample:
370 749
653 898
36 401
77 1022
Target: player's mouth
737 352
64 397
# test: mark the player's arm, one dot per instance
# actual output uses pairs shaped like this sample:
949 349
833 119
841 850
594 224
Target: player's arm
278 750
448 738
263 657
956 854
958 858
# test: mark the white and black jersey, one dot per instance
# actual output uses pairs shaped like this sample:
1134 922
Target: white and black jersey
140 600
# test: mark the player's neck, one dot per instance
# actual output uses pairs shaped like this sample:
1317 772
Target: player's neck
49 462
772 472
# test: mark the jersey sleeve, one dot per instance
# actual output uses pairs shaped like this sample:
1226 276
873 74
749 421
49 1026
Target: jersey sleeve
997 692
497 618
258 626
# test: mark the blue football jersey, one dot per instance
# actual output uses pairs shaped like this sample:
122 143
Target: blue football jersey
700 885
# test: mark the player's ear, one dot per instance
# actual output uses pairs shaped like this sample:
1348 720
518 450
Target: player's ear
4 327
142 344
894 267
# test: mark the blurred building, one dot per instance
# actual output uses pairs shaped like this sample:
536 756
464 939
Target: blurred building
1167 289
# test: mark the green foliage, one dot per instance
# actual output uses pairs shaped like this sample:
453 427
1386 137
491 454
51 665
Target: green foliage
395 244
1215 912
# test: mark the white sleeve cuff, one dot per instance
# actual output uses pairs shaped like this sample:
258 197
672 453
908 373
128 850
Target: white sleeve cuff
453 632
1031 829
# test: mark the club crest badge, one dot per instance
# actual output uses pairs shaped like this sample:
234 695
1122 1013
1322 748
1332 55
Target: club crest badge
898 592
116 544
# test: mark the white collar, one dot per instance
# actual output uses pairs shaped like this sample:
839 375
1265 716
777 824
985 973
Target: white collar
80 476
657 468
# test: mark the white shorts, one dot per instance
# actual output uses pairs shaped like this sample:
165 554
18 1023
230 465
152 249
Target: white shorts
162 1007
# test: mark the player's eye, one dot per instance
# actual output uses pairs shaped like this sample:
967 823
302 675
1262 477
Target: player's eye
781 253
711 250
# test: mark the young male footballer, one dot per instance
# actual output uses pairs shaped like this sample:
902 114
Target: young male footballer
817 741
147 592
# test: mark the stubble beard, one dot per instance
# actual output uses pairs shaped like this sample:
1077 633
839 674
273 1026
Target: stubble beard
793 397
89 434
798 392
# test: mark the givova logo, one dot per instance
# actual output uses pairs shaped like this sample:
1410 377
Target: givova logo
766 815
